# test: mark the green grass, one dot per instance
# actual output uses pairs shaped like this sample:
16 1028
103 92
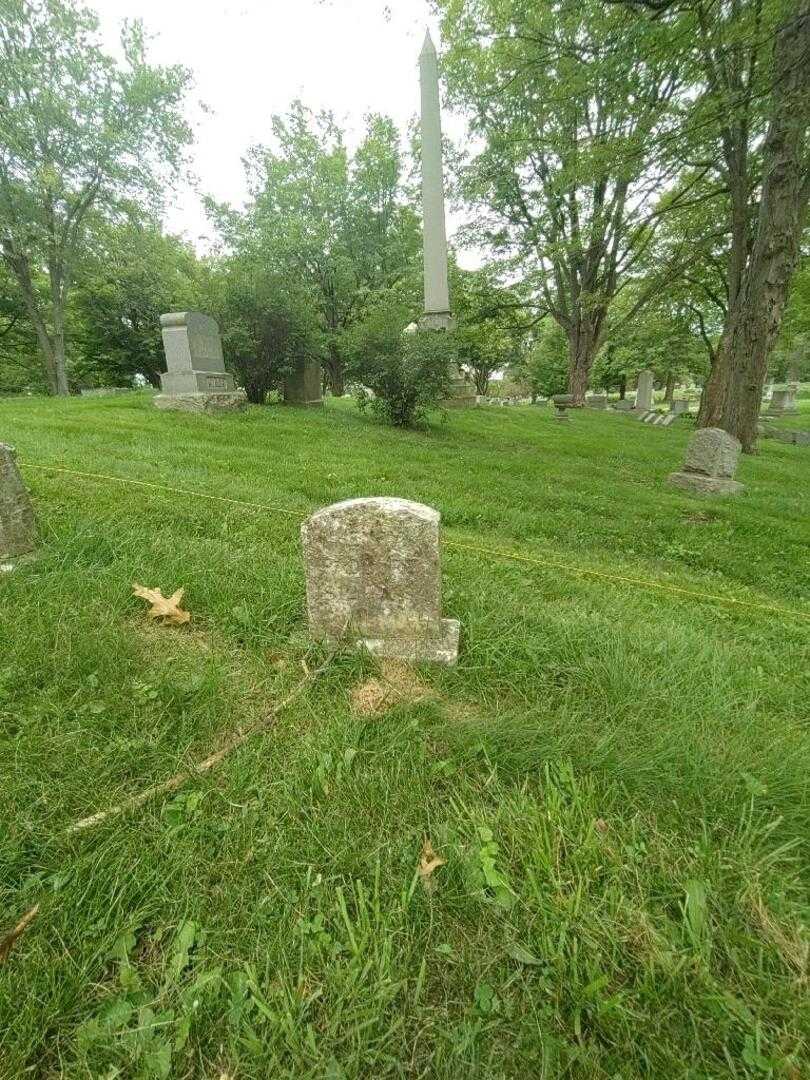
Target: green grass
617 777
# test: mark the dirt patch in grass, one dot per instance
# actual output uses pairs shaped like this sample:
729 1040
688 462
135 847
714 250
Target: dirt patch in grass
396 683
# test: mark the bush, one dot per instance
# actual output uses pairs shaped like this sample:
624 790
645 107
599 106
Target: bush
400 376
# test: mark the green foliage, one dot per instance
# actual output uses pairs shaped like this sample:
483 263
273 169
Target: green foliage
268 322
490 324
335 228
544 368
130 276
570 104
78 132
400 376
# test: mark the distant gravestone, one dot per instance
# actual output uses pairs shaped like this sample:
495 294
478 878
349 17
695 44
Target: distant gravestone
623 405
678 406
644 391
790 401
668 418
195 379
711 461
17 526
778 403
596 401
303 385
373 576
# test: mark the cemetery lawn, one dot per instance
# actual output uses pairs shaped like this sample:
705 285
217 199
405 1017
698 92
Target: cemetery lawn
617 777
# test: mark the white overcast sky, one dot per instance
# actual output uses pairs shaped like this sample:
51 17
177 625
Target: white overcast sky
251 58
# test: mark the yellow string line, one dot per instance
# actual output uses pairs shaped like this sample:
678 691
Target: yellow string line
162 487
458 545
626 580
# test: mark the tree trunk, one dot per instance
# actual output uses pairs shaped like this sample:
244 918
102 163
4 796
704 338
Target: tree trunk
584 342
334 366
734 390
669 389
622 388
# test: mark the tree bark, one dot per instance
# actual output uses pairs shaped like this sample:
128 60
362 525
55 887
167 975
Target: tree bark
622 388
334 367
734 390
583 345
669 389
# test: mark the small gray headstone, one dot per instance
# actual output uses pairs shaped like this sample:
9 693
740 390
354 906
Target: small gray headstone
711 461
303 386
373 574
678 406
196 379
779 402
596 401
17 526
623 405
644 391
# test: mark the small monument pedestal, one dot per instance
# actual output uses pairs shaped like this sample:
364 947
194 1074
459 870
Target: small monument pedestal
196 379
303 385
462 393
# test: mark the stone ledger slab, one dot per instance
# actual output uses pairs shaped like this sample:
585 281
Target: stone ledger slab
373 577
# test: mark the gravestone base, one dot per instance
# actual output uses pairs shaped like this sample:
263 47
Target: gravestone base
462 394
212 403
439 645
705 485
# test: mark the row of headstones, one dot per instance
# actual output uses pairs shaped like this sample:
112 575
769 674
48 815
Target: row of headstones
196 379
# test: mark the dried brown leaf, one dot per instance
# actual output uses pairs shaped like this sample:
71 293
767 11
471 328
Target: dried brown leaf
166 608
9 941
428 862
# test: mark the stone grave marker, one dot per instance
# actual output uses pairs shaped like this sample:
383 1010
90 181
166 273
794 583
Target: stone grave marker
644 391
373 576
17 526
711 461
596 401
778 403
303 386
196 379
678 406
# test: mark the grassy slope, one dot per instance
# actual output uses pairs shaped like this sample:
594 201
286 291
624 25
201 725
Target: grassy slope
633 764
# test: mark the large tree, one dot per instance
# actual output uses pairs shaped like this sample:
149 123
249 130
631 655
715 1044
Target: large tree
78 132
747 118
337 225
572 105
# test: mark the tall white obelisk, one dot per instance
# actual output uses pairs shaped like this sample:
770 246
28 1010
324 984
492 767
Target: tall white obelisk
437 293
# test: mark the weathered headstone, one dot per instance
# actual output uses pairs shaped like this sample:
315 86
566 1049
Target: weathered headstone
623 405
196 379
596 401
790 402
778 403
668 418
373 576
678 406
649 417
644 391
17 526
711 461
303 385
